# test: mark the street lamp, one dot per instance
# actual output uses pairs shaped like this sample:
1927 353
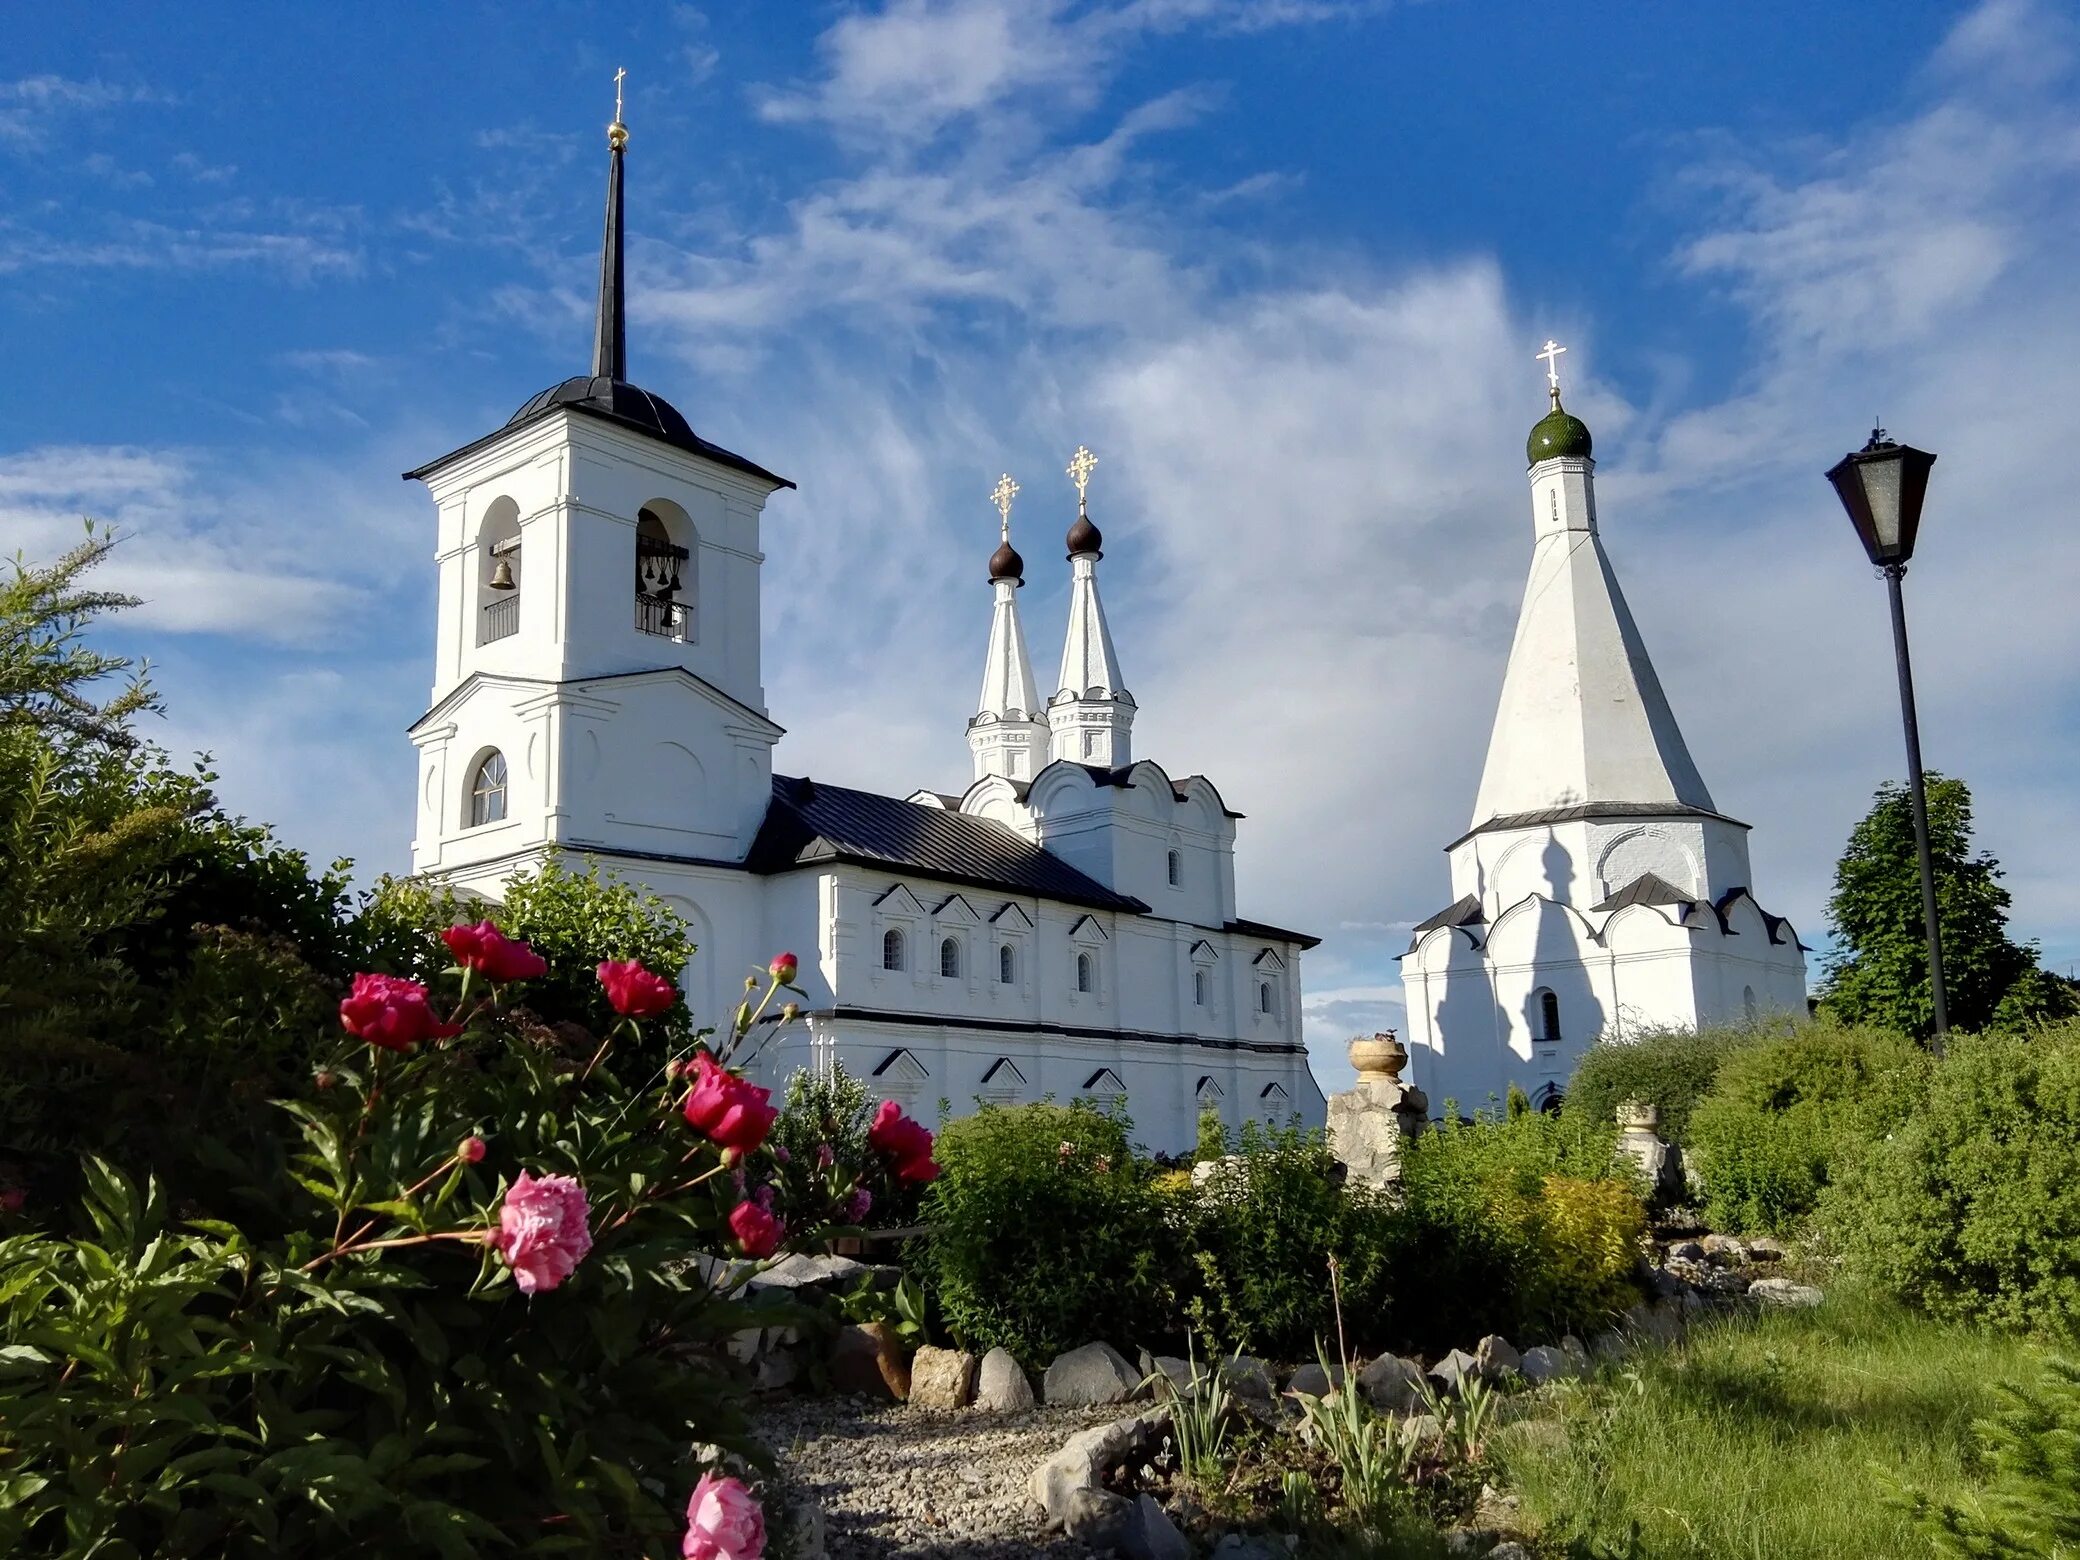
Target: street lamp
1882 486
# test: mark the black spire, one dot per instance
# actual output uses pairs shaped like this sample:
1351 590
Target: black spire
610 338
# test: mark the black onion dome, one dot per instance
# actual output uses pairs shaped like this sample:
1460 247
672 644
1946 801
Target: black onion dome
1085 537
1005 563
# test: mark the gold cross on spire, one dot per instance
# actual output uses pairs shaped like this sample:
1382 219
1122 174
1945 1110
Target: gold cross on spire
1002 495
1081 464
1550 356
617 132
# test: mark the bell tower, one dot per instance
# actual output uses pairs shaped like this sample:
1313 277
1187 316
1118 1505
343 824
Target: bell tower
596 671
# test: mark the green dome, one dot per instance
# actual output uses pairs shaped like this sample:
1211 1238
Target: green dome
1559 432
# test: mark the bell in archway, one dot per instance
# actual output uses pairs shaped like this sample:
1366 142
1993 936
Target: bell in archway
502 575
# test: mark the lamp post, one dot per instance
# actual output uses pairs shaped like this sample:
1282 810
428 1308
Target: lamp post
1882 486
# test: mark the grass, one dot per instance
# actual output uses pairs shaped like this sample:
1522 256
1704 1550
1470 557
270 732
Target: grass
1783 1437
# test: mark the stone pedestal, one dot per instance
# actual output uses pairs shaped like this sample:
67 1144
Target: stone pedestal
1368 1123
1639 1138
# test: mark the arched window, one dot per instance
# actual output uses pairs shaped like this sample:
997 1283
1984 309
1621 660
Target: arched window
1176 868
487 790
1199 987
950 958
1086 972
1263 996
1548 1015
892 949
1748 1003
1007 965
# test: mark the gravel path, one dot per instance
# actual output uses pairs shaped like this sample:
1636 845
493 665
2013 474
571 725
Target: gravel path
894 1480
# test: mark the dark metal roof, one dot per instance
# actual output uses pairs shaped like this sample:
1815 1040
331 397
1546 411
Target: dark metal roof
1646 889
624 405
1270 933
809 822
1465 911
1531 820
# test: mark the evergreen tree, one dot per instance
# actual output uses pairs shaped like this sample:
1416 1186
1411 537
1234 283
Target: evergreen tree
1878 973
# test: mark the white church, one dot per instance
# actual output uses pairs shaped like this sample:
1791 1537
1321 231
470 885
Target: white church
1599 891
1063 927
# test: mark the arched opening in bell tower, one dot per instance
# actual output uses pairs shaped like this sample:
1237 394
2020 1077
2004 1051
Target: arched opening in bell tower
667 571
498 571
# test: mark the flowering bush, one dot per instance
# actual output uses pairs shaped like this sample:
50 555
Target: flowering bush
467 1314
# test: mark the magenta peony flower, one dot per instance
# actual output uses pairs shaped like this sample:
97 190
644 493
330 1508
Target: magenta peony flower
488 951
857 1204
723 1522
635 992
730 1110
906 1145
13 1200
392 1013
542 1230
757 1228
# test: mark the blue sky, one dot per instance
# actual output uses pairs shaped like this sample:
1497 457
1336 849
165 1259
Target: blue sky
1282 263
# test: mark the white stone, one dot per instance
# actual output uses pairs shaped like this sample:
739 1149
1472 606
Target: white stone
1784 1292
941 1378
1001 1385
1095 1373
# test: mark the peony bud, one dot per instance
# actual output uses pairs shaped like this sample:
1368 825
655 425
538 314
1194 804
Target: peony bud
13 1200
326 1079
751 983
790 1011
783 969
471 1150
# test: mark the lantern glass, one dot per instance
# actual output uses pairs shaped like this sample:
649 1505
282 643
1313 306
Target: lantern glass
1881 487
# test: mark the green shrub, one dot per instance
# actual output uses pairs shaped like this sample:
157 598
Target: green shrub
1764 1139
1487 1211
1046 1232
1969 1206
1669 1068
1262 1231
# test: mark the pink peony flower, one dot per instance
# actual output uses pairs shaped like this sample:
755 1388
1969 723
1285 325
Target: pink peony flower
906 1145
392 1013
542 1230
757 1228
826 1156
471 1150
635 992
723 1522
857 1204
783 969
492 954
730 1110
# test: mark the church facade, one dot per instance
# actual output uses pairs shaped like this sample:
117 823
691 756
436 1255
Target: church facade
1599 892
1063 927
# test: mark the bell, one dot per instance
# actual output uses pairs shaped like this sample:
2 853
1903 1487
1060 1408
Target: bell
502 575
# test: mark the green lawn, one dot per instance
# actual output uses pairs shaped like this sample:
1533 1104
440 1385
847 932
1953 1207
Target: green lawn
1777 1438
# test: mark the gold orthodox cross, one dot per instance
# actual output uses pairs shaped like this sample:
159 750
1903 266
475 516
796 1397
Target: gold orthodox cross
619 77
1081 464
1550 356
1002 495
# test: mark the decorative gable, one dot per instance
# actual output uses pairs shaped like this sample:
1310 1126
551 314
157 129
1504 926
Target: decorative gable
1268 962
1208 1091
956 910
1011 918
1104 1083
1087 929
898 900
